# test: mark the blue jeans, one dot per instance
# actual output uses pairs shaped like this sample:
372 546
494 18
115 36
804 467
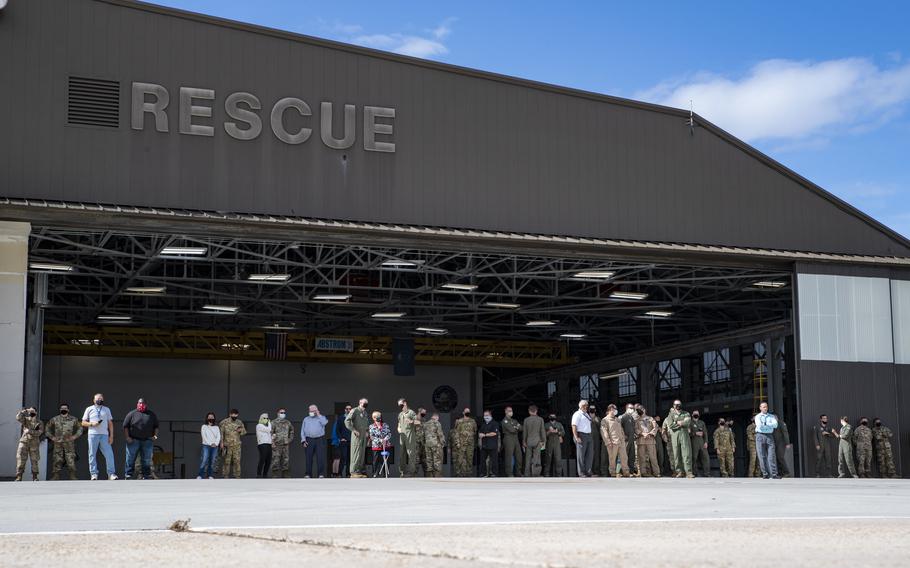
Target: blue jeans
207 461
96 441
767 456
144 449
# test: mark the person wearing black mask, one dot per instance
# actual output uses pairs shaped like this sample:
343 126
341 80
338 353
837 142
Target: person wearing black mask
100 423
211 439
552 456
421 442
63 430
698 439
32 430
488 436
232 431
463 438
823 438
358 424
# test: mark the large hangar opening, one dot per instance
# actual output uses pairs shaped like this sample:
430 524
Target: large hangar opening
196 323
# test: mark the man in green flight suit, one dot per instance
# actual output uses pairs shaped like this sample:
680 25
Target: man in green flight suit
552 461
407 439
358 422
679 422
511 445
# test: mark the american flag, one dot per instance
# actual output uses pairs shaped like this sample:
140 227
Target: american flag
276 346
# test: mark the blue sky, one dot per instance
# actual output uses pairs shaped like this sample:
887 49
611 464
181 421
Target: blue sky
821 87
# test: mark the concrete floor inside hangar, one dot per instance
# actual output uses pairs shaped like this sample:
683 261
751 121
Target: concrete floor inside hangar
461 522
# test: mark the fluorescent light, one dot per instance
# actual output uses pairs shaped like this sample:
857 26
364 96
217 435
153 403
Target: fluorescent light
221 309
433 330
594 274
146 290
183 251
50 267
115 318
619 295
540 323
573 335
773 284
85 341
460 287
502 305
401 263
236 346
658 314
332 297
269 277
388 315
279 326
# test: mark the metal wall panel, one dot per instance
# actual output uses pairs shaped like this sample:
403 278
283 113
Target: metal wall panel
852 389
473 151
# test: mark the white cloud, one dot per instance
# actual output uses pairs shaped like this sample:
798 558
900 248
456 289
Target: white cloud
427 45
793 100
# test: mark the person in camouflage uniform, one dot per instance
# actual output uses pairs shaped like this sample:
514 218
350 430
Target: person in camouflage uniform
282 436
511 443
29 441
862 441
725 446
881 437
63 430
754 470
667 439
463 439
421 442
679 422
434 441
552 456
232 430
407 440
845 467
646 433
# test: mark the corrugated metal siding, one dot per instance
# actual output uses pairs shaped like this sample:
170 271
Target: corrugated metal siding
471 152
854 390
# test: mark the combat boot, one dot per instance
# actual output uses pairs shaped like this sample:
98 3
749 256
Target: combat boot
286 474
19 477
56 476
690 476
34 476
73 476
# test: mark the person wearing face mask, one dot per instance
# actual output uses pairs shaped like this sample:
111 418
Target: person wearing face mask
882 437
725 446
552 455
488 437
662 465
380 441
822 436
781 445
312 434
645 445
358 424
678 421
341 445
627 421
765 424
511 444
753 469
264 445
596 442
462 440
407 440
862 442
282 435
667 436
435 441
615 440
581 434
845 467
100 423
211 439
533 441
421 442
63 430
29 442
698 439
232 432
140 428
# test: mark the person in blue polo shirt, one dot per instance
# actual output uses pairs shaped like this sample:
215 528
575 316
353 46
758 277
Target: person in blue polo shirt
765 424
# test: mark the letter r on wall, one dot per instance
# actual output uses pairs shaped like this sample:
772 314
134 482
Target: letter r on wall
141 105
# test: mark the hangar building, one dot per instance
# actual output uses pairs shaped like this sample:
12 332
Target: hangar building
211 214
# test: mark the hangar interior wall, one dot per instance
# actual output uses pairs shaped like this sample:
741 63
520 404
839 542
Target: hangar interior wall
182 391
854 336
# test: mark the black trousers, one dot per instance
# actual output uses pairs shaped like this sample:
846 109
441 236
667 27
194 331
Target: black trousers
344 457
493 468
265 460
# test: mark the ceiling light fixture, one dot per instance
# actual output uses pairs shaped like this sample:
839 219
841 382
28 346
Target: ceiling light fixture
502 305
460 287
771 284
658 314
401 263
269 277
620 295
146 290
48 267
573 335
331 297
388 315
433 330
594 275
540 323
220 309
183 251
115 319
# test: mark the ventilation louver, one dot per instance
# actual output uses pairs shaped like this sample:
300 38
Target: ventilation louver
93 102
